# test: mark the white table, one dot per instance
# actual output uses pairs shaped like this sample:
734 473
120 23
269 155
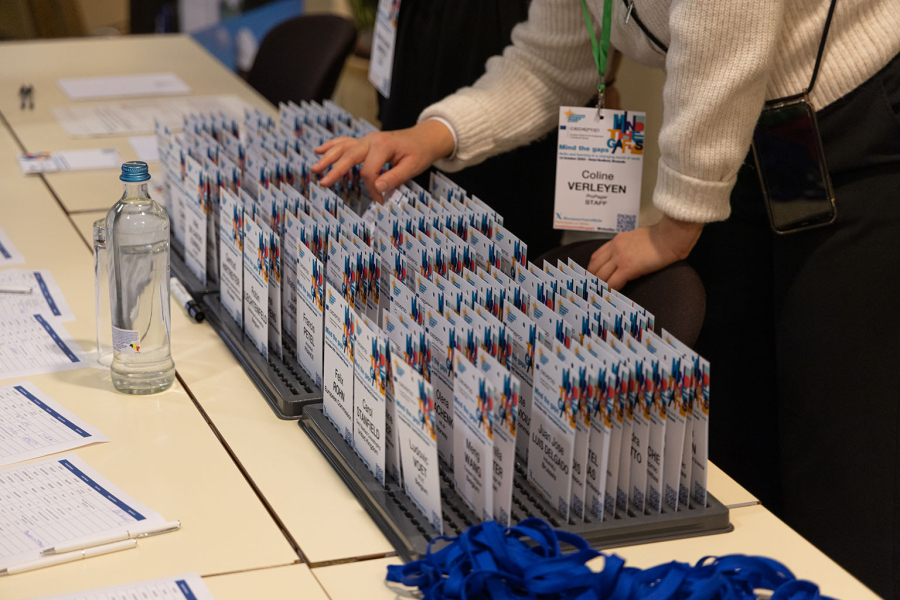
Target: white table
161 451
756 532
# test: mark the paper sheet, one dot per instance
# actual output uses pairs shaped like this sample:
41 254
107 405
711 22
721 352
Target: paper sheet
60 500
178 587
45 296
36 344
129 117
122 86
145 147
33 425
70 160
9 255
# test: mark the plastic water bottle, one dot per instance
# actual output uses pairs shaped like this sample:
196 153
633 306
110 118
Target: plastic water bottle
137 230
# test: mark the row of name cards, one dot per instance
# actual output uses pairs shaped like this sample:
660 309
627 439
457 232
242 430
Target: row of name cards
436 343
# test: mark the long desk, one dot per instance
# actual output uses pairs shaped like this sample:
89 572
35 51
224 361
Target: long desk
43 63
756 532
161 450
214 454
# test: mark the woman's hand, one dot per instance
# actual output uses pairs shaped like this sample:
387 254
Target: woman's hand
410 152
632 254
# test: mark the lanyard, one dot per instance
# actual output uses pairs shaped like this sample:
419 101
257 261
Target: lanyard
601 50
526 562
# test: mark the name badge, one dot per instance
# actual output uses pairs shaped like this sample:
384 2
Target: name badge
598 169
384 37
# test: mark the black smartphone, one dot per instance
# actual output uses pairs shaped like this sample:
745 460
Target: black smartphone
790 161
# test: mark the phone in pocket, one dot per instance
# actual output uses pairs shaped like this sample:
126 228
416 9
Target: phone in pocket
790 161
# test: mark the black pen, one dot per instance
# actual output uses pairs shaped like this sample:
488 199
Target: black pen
187 302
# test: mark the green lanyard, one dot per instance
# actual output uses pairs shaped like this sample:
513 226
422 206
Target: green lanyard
601 50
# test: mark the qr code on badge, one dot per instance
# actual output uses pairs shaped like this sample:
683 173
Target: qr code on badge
625 222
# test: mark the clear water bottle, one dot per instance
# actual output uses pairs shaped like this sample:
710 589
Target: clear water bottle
137 234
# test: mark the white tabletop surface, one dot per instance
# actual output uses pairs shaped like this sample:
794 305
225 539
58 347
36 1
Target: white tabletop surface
43 63
756 532
161 451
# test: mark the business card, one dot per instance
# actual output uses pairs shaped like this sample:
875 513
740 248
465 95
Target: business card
418 439
473 445
552 429
505 409
311 313
340 334
370 373
231 255
256 283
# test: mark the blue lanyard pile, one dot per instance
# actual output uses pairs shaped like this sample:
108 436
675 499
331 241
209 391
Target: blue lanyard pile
526 561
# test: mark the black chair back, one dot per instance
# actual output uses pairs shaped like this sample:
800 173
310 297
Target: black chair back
675 295
302 58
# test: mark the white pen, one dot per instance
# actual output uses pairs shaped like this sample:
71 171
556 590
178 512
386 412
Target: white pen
15 290
106 538
58 559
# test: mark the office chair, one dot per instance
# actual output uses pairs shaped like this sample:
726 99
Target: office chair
675 295
302 58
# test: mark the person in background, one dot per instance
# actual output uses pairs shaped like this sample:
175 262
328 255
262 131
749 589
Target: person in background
800 330
436 54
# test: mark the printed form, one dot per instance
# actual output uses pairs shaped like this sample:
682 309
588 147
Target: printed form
178 587
130 117
44 295
33 425
145 84
35 344
60 500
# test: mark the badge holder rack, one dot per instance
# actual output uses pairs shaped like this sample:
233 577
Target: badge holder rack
410 532
292 395
282 382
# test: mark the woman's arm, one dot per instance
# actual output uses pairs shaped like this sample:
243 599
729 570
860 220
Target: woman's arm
718 67
549 64
516 101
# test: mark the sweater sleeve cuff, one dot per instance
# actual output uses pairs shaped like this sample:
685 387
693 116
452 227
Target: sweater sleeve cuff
688 199
447 124
471 128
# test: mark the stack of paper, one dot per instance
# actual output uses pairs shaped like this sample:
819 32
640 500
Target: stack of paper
61 500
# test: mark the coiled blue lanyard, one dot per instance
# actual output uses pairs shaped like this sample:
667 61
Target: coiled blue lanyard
526 562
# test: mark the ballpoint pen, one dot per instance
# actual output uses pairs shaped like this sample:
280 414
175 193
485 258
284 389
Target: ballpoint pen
134 533
58 559
15 290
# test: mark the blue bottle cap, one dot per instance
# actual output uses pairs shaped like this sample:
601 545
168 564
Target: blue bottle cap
135 171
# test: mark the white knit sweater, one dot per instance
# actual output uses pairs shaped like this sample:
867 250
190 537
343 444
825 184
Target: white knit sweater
725 57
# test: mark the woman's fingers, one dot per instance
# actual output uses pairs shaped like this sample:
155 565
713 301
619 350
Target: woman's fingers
378 155
606 269
327 145
334 152
352 156
599 257
618 279
403 171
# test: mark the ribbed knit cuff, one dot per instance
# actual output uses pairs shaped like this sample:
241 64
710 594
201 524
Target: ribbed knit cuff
688 199
469 120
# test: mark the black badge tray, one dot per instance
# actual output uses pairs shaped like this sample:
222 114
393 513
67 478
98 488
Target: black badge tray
410 532
282 381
